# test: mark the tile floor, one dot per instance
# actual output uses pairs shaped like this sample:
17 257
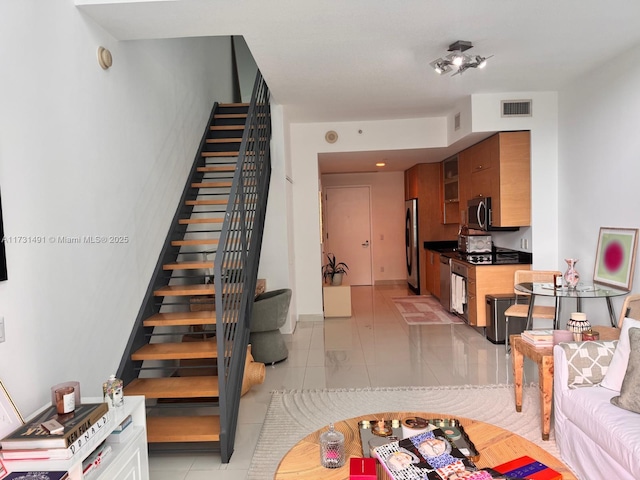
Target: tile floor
375 347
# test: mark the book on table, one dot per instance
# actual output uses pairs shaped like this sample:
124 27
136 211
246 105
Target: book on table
59 453
527 468
34 435
38 475
538 337
428 455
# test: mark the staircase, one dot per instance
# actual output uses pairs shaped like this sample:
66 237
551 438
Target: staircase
187 351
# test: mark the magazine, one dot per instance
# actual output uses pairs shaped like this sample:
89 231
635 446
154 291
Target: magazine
428 455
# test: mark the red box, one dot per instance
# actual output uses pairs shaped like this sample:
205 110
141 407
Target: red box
362 468
527 467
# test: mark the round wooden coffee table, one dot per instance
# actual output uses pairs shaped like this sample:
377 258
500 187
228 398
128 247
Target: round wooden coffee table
495 445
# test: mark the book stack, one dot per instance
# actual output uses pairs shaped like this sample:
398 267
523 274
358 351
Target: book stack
33 440
538 338
122 432
527 468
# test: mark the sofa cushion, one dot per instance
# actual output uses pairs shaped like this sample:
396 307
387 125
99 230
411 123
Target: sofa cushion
591 410
629 397
618 367
588 361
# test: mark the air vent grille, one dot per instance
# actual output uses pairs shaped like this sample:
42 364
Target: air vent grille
516 108
456 122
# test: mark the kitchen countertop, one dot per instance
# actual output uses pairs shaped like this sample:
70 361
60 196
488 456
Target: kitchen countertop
499 255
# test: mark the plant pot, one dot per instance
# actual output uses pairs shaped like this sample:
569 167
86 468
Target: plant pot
336 279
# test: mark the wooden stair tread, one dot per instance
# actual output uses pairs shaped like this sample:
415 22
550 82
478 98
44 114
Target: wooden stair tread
211 184
192 221
226 127
195 265
195 241
174 387
176 351
233 104
221 168
204 317
206 202
181 290
220 154
183 429
230 115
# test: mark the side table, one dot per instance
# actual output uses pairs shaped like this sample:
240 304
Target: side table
543 356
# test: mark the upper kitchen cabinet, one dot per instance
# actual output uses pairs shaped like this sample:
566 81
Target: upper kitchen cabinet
450 191
500 168
411 179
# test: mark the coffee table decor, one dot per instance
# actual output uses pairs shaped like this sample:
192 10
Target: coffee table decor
375 433
428 455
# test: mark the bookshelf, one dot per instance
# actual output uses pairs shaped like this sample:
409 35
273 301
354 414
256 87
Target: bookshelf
127 461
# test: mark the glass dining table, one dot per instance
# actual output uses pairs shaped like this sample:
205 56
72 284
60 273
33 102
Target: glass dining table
578 293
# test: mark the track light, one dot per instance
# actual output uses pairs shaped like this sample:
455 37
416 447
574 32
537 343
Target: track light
458 60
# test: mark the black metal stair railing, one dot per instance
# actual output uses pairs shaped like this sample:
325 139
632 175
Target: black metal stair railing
236 261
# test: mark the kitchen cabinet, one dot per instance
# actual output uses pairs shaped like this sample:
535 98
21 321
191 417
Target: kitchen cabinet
500 168
411 178
483 280
450 191
433 273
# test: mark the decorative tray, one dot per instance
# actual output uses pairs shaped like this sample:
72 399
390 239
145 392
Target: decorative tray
388 429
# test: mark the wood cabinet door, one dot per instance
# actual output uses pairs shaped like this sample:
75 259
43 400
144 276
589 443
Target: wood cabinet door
411 183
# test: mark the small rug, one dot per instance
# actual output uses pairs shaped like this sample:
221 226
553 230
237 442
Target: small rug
424 310
294 414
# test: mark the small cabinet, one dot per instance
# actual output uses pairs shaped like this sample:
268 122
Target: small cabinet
433 273
500 168
450 191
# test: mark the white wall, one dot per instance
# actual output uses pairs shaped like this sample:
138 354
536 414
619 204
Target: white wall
387 226
85 151
599 168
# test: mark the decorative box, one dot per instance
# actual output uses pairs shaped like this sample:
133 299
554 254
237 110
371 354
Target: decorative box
527 467
362 468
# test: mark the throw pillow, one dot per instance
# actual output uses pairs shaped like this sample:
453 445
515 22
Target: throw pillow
618 367
588 361
629 397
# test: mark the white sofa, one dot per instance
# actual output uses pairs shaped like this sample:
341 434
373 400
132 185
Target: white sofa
596 439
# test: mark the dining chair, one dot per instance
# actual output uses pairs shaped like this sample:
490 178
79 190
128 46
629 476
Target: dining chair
520 308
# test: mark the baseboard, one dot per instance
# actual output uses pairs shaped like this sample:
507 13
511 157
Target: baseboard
311 317
390 282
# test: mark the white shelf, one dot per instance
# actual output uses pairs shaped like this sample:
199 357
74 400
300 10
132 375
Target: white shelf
128 460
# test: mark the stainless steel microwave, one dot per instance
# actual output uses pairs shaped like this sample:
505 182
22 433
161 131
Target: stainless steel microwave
479 215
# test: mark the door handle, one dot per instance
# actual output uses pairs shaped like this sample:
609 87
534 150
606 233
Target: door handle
366 243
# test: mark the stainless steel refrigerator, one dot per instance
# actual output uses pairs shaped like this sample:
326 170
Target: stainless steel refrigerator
411 242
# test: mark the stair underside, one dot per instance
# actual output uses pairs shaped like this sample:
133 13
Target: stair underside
174 387
206 202
183 429
192 221
204 317
176 351
195 241
212 184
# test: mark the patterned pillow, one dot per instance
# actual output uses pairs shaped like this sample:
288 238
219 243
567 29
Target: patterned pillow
588 361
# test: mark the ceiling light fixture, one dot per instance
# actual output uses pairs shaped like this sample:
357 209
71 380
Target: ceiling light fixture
380 164
458 60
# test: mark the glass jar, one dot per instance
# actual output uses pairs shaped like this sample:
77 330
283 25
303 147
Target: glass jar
113 393
332 454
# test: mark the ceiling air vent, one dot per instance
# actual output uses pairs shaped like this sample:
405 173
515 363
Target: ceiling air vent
516 108
456 121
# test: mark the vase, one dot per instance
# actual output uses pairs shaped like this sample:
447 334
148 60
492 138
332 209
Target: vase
571 276
577 324
336 279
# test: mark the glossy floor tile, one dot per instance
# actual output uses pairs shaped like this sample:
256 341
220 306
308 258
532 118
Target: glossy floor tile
374 347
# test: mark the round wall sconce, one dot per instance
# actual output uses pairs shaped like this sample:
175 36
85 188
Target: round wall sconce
104 58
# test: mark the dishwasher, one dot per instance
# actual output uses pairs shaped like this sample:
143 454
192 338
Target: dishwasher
445 282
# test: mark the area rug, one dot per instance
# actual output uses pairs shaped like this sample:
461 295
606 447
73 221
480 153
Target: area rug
423 310
294 414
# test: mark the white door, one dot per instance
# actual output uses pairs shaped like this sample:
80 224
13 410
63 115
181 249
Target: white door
348 231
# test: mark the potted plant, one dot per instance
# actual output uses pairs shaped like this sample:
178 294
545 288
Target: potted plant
333 270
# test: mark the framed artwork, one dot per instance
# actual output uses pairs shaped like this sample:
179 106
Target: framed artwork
616 257
10 418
